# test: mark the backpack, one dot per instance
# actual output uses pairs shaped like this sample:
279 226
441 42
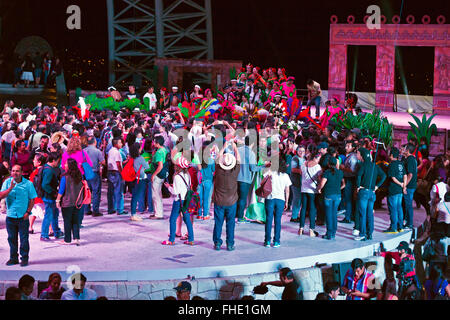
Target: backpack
37 182
191 203
128 172
164 173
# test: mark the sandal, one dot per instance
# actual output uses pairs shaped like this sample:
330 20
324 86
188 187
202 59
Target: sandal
185 237
178 236
191 243
167 243
31 231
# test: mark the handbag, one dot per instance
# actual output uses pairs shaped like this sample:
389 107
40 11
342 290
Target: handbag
265 189
87 195
88 172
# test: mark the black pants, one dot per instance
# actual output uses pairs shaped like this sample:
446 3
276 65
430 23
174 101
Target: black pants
423 201
71 223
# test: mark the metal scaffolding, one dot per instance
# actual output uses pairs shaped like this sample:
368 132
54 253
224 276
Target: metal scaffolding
141 30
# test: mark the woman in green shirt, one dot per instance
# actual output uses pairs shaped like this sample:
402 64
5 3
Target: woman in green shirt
330 186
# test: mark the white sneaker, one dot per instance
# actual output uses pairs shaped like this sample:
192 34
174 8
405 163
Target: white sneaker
355 232
312 233
341 212
135 218
360 238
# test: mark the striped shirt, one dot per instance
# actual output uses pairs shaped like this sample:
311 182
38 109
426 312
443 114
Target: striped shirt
361 284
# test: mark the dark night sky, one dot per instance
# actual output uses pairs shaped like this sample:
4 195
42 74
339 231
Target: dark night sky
293 34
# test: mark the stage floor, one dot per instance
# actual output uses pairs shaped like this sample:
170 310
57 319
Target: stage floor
115 249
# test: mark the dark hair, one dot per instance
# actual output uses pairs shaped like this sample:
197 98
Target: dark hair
197 298
322 296
170 298
131 138
73 170
135 150
115 141
80 275
54 156
410 148
102 298
25 281
331 167
413 140
357 263
282 168
17 144
54 276
148 144
42 159
389 287
13 293
287 273
159 140
331 286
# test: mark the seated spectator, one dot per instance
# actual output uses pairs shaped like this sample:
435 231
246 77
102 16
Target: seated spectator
292 290
79 292
388 290
13 293
54 290
332 290
183 290
26 285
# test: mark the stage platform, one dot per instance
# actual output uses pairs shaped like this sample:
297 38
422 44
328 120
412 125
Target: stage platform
115 249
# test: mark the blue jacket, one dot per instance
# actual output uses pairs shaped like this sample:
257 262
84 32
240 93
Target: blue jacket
248 164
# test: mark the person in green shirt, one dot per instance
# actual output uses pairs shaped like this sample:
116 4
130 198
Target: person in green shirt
330 187
397 181
411 184
159 173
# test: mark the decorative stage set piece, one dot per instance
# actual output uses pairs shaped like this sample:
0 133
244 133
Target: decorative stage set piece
385 39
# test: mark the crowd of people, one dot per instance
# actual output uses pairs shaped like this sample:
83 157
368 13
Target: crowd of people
247 166
30 69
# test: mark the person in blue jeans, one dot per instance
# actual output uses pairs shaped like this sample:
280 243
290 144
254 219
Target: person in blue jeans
225 195
181 185
311 172
276 203
139 166
369 178
205 186
115 181
248 166
20 194
397 180
411 184
331 185
50 184
95 184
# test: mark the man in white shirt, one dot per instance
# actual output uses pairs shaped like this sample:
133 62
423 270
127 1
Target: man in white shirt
79 292
115 182
152 97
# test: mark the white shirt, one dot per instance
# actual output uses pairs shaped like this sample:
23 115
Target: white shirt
86 294
113 157
442 187
443 212
179 186
24 125
279 184
152 98
310 178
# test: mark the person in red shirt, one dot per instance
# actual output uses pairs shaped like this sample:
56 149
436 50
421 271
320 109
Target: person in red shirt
408 283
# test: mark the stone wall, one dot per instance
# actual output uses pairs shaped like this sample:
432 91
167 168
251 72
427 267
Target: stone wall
312 281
